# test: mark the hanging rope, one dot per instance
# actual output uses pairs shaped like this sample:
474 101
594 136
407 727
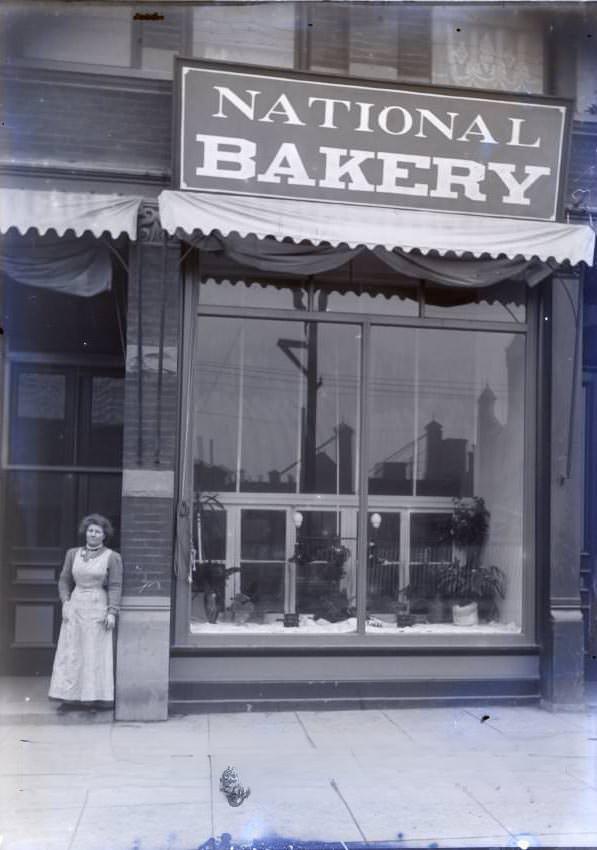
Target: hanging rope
186 554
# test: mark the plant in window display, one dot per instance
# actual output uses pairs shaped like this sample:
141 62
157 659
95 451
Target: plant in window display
473 588
209 578
240 610
210 573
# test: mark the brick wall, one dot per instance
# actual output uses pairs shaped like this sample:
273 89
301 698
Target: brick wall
146 546
147 515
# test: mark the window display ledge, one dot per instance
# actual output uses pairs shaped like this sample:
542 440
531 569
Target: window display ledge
349 626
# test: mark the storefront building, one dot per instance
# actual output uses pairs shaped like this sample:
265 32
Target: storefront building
326 376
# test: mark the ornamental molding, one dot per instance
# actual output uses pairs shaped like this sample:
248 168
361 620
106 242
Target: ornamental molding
149 227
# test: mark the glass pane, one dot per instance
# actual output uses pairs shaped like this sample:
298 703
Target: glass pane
210 573
270 406
263 558
217 377
225 293
393 449
324 568
431 552
40 430
502 303
40 510
464 560
102 446
286 394
330 358
384 569
386 302
263 535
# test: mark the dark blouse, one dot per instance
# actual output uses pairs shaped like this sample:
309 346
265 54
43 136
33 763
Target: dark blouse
112 582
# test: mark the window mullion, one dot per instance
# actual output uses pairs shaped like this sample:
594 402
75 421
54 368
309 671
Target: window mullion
363 479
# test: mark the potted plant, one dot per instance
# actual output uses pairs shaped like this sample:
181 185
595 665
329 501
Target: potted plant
209 578
465 582
471 588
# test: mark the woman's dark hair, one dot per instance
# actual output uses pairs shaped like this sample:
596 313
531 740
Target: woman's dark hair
96 519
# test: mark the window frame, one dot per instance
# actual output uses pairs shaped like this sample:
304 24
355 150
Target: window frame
362 640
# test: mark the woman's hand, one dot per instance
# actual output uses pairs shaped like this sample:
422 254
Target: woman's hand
110 621
65 610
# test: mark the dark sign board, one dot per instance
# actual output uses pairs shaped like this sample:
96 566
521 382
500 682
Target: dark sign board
277 134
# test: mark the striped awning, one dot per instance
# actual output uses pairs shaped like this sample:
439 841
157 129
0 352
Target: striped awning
376 227
79 212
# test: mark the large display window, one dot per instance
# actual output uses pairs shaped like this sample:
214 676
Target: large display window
305 415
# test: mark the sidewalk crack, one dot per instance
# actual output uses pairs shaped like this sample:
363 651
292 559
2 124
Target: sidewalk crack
304 728
349 810
484 807
398 726
81 813
211 795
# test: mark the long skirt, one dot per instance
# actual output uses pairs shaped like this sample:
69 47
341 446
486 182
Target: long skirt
83 665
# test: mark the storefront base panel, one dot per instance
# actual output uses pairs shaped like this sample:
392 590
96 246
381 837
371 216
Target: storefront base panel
211 684
142 660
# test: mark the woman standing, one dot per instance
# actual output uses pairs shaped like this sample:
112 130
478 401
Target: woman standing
90 587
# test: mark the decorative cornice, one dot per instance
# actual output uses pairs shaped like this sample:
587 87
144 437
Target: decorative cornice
149 227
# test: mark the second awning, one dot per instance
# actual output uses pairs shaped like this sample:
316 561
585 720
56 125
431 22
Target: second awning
80 212
373 227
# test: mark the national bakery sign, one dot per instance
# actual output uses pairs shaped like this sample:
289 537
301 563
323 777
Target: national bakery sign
277 134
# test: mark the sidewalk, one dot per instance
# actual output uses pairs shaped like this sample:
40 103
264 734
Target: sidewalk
449 777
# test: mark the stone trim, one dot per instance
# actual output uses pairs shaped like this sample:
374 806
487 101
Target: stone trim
145 603
148 483
150 359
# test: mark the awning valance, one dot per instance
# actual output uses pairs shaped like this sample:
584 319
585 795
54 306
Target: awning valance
376 227
81 212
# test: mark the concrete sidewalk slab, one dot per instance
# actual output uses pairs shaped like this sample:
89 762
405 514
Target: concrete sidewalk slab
450 777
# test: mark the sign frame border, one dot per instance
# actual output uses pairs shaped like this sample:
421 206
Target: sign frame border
565 103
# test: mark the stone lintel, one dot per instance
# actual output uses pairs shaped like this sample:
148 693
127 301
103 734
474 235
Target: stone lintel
148 483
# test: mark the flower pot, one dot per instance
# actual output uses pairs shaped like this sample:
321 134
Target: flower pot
465 615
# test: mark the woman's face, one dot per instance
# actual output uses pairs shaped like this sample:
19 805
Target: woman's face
94 535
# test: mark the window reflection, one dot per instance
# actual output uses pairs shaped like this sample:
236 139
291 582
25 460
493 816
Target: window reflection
276 406
276 425
465 394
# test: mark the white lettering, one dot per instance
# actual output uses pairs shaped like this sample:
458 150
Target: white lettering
364 118
428 115
287 163
283 107
482 131
448 177
242 157
335 171
515 138
247 109
516 190
407 120
328 112
391 173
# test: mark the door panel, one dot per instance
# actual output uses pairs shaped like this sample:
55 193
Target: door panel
58 417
